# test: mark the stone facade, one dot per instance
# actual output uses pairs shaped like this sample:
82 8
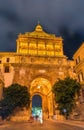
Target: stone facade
79 69
38 63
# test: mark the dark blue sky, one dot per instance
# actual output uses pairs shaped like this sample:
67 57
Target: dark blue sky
62 17
36 101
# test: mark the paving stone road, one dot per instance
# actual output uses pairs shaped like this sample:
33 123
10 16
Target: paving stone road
47 125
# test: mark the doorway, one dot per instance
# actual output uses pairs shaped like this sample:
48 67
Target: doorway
37 106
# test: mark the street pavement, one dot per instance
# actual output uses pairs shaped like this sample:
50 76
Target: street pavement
71 122
47 125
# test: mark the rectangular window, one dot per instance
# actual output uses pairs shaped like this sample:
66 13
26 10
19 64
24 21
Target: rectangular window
82 75
6 69
76 62
78 78
78 59
8 59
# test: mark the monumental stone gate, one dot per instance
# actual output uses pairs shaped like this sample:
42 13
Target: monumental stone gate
38 63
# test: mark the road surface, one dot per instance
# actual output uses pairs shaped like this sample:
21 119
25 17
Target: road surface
47 125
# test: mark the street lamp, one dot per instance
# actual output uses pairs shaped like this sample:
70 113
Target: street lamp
64 110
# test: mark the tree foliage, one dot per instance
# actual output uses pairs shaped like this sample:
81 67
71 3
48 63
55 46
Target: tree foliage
66 92
14 96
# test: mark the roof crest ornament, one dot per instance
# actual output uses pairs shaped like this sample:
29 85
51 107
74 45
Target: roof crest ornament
38 22
38 27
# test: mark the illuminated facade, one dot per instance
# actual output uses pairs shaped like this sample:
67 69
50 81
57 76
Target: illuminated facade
79 69
38 63
79 66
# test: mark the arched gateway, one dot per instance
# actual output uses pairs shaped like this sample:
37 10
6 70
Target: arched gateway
42 87
38 63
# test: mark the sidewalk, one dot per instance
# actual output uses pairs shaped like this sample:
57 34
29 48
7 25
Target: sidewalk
71 122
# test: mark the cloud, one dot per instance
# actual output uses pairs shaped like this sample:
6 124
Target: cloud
19 16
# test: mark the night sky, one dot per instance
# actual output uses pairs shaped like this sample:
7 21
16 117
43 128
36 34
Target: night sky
61 17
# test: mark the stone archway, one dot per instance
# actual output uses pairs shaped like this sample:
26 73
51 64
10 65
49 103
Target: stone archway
42 87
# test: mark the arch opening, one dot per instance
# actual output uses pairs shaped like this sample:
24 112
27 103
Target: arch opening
41 87
37 105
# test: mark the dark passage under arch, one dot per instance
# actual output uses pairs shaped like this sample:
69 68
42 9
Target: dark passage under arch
36 105
36 101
